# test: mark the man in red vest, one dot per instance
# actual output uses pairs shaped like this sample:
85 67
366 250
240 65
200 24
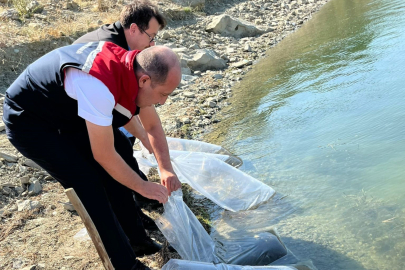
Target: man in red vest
64 112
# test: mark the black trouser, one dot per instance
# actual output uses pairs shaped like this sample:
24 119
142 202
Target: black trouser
68 158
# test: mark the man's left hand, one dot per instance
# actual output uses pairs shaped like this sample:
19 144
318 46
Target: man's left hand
170 181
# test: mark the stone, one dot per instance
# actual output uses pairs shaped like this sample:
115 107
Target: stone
212 102
190 3
34 7
25 180
189 94
7 190
32 164
247 48
10 14
34 188
217 76
186 120
9 157
185 71
31 267
205 59
35 25
226 25
19 190
242 63
2 127
71 5
48 178
27 205
68 206
18 263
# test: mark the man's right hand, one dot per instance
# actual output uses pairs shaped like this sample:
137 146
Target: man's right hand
154 191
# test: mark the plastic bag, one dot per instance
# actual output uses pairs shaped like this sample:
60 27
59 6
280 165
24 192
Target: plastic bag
203 147
184 232
175 264
223 184
261 249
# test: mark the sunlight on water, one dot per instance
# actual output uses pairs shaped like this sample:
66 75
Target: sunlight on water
324 126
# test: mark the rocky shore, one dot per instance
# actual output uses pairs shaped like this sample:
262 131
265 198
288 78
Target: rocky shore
217 42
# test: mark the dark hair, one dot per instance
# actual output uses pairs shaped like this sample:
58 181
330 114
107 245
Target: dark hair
141 12
154 64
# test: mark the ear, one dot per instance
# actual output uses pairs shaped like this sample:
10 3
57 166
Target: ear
144 80
133 28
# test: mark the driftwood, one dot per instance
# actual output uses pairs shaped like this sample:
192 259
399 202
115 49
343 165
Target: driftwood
91 229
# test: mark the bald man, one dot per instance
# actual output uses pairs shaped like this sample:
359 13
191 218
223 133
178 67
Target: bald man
64 112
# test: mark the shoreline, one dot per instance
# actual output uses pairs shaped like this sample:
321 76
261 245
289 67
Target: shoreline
190 112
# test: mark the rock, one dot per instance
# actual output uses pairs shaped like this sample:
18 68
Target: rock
35 25
165 35
188 78
247 48
34 188
25 180
32 164
190 3
217 76
18 263
186 120
10 14
2 127
68 206
212 102
34 7
27 205
185 71
9 157
205 59
241 63
19 190
48 178
31 267
7 190
1 100
226 25
71 5
188 94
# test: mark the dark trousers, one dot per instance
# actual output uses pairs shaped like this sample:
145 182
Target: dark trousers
68 158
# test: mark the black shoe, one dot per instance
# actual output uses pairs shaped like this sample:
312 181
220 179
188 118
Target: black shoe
148 223
147 247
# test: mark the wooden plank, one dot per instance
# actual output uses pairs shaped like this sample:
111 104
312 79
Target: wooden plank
91 229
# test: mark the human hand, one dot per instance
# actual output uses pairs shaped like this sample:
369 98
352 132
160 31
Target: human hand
170 181
154 191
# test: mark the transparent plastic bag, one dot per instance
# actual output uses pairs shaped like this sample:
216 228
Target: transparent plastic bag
223 184
203 147
184 232
175 264
261 249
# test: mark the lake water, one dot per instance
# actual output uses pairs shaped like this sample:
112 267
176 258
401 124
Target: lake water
322 120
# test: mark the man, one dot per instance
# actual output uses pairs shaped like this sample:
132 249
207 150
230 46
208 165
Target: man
64 111
137 28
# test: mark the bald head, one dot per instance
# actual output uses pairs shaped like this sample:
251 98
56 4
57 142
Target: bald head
157 62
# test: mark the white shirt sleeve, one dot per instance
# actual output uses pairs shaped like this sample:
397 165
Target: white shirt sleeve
95 101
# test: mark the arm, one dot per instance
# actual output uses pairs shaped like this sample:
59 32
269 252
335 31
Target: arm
102 146
151 122
135 127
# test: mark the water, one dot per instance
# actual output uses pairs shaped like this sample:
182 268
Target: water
321 120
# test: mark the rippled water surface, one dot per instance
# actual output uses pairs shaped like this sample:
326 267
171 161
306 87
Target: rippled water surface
322 121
